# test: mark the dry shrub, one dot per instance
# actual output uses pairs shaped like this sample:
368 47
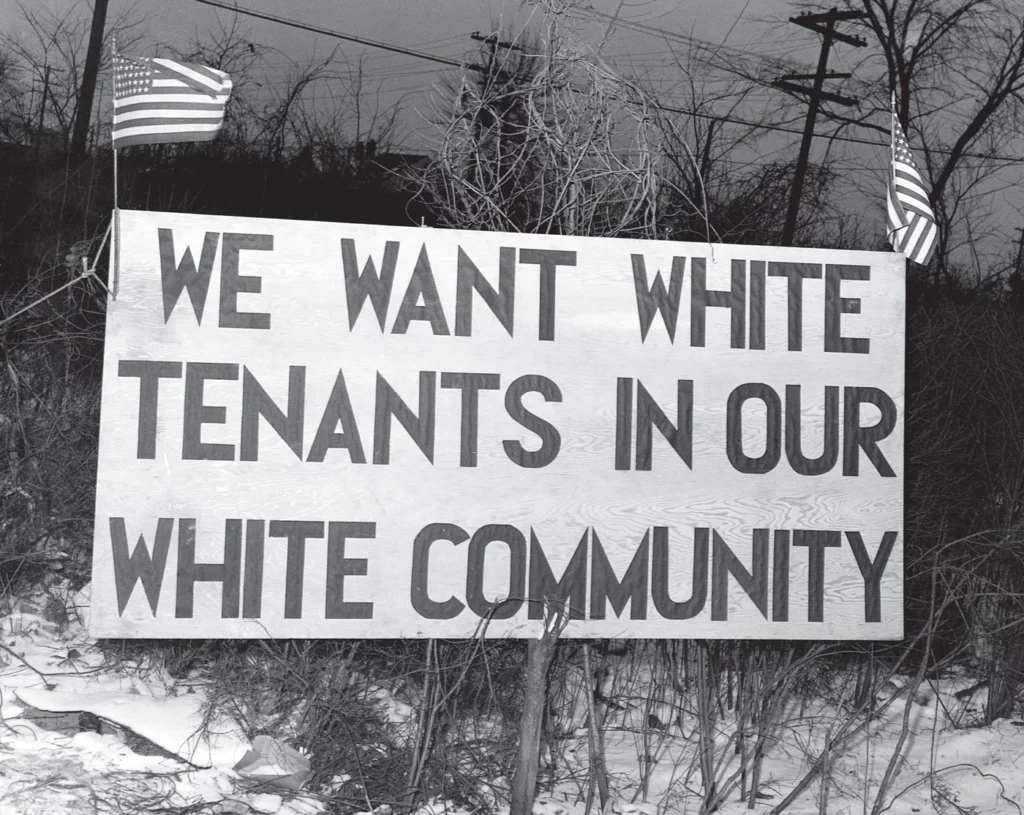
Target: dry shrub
383 722
49 420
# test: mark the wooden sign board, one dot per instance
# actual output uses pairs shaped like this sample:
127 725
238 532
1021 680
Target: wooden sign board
330 430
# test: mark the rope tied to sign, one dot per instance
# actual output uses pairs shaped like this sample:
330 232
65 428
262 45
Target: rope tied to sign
87 271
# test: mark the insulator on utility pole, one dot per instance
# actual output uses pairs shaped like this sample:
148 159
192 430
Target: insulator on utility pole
824 24
493 44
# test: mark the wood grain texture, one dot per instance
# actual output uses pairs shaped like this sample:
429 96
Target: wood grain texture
516 486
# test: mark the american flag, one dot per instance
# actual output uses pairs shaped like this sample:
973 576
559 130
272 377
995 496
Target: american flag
911 226
163 100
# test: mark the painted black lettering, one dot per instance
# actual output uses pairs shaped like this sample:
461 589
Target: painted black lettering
872 571
339 567
654 298
650 415
780 577
701 299
509 605
421 287
256 402
572 586
231 282
338 410
501 302
427 537
176 277
419 427
724 562
470 385
836 306
551 439
252 582
360 286
296 532
623 422
857 438
663 602
794 445
139 566
773 428
196 414
549 260
606 587
228 573
757 304
816 543
795 274
149 373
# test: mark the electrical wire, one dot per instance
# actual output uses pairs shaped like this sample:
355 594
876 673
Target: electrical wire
592 15
692 41
330 33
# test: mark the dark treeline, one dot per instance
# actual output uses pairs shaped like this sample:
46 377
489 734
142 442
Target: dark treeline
48 203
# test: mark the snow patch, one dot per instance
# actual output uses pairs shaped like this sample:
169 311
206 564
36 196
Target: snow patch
176 724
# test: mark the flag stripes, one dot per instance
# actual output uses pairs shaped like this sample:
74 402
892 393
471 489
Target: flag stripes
198 76
911 220
162 100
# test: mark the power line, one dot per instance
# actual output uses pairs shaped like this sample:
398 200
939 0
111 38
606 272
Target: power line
693 42
666 108
594 15
336 34
850 139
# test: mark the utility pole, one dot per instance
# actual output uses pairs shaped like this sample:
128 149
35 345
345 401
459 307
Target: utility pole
491 72
824 24
493 44
86 94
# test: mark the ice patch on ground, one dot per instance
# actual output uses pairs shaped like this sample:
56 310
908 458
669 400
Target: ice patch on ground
177 724
51 666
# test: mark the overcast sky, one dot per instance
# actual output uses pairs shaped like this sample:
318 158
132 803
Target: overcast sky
444 28
750 29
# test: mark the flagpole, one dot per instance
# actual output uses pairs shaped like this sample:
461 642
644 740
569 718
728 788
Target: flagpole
896 221
892 138
890 183
115 244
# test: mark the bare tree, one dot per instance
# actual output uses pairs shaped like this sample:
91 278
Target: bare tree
291 116
52 48
362 118
549 139
719 132
957 68
229 46
742 189
15 100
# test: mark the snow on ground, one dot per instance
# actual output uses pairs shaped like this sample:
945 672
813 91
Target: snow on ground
950 764
55 668
946 769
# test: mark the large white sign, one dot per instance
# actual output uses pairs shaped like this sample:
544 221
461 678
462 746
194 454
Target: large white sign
331 430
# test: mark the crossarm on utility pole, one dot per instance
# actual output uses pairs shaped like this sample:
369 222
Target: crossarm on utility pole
824 24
